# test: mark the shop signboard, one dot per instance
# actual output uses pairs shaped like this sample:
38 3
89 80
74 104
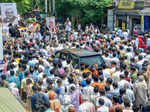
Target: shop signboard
139 4
126 4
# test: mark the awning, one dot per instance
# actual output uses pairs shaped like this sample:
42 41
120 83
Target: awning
145 12
127 12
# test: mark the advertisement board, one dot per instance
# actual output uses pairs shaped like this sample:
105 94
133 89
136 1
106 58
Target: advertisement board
131 4
50 21
139 4
1 45
126 4
8 15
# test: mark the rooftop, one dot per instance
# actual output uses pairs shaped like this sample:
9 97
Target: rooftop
81 52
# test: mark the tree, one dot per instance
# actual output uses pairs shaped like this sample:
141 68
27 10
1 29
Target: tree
87 10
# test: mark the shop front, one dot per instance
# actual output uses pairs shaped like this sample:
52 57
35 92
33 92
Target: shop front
128 14
128 19
146 18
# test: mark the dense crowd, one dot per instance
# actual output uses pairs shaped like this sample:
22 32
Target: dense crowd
41 84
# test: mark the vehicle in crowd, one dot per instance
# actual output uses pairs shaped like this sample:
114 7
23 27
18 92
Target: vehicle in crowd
80 56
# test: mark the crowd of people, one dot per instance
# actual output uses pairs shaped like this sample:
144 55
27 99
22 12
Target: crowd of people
41 84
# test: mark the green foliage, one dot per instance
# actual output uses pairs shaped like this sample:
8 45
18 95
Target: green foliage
87 10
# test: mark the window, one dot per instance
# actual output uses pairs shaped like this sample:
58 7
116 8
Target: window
92 60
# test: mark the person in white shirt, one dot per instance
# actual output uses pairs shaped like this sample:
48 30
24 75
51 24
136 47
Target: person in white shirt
129 54
116 75
107 59
122 82
102 107
68 25
38 35
130 93
88 90
107 101
86 106
125 34
140 62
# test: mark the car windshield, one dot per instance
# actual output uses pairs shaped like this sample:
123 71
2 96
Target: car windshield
90 60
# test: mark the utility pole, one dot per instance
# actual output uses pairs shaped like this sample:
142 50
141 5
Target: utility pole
50 6
53 6
46 6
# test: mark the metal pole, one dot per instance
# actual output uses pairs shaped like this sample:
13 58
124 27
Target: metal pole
46 6
50 7
53 6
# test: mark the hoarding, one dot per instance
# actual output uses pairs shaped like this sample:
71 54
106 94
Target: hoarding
126 4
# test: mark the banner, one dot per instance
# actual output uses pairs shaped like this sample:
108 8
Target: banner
50 21
8 15
1 45
126 4
139 4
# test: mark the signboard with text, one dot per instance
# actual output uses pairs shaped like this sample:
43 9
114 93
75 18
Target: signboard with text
131 4
126 4
139 4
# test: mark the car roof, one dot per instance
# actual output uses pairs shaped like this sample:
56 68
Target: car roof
80 52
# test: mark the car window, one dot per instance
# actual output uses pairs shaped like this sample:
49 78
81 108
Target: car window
69 56
57 55
90 60
75 60
63 56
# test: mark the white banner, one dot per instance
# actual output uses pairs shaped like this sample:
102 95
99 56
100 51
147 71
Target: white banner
9 15
1 45
50 21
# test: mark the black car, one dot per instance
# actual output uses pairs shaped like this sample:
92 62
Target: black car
80 56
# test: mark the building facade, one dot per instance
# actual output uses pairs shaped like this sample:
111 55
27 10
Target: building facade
130 14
